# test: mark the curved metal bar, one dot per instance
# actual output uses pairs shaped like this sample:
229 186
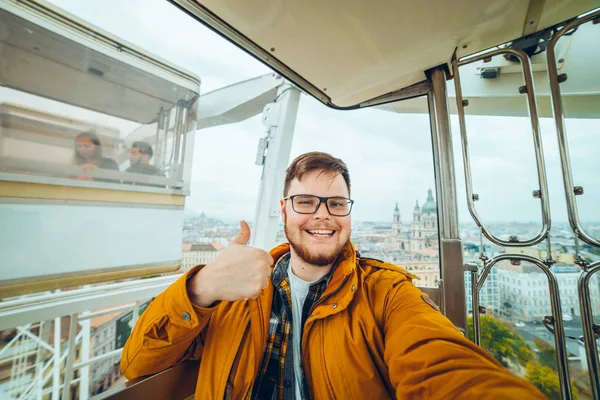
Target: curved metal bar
587 323
561 129
559 336
537 141
472 268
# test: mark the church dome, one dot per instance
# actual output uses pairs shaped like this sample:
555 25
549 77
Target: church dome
429 207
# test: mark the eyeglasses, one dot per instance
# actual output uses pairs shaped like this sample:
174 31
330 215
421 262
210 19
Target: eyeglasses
309 204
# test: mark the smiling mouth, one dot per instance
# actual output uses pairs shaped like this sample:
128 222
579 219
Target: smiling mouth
320 232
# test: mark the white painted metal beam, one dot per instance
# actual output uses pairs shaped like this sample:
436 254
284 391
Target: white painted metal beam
78 301
280 119
237 102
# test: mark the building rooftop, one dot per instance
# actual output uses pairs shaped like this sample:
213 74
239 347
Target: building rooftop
204 247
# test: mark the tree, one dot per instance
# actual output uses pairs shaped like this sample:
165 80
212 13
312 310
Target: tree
542 372
544 379
499 339
546 353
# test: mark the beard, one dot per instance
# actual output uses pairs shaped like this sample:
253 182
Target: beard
305 254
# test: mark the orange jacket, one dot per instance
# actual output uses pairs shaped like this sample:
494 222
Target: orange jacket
370 336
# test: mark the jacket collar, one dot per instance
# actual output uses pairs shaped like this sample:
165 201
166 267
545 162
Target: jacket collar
344 271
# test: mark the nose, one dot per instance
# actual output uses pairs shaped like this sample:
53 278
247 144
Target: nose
322 212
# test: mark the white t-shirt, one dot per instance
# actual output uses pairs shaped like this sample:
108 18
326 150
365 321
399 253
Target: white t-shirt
299 291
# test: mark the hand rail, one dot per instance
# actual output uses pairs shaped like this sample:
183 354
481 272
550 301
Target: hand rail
587 323
559 337
176 383
537 140
561 130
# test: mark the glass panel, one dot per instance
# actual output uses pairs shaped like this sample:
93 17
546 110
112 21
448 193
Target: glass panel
221 195
218 62
98 117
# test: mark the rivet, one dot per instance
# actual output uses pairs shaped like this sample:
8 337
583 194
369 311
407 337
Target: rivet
353 288
334 306
186 317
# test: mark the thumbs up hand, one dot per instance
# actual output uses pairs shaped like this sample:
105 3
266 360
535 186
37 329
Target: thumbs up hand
239 273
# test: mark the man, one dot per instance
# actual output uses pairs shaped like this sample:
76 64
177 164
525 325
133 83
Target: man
312 319
139 158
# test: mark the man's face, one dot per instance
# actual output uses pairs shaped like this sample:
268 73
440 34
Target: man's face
135 155
314 247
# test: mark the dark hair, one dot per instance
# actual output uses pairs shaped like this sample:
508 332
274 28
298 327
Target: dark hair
78 158
315 161
144 147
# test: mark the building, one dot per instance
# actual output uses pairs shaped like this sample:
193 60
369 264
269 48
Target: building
427 271
525 291
489 296
102 342
199 253
397 222
110 332
422 233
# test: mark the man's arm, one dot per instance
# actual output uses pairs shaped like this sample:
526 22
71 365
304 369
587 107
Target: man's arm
170 330
428 357
167 333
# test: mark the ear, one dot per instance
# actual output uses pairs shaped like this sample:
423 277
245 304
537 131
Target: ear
282 206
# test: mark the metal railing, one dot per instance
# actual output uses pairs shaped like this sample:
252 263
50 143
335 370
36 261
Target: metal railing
590 331
556 318
559 118
23 312
542 192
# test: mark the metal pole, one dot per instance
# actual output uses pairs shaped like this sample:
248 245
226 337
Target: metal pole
159 125
99 358
66 395
84 382
39 360
56 363
451 256
473 271
280 118
587 323
136 314
447 205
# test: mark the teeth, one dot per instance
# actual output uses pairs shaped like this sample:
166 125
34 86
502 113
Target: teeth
320 232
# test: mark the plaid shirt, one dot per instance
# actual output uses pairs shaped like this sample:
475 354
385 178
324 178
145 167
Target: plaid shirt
276 379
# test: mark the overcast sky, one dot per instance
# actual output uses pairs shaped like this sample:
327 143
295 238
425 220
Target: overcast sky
389 155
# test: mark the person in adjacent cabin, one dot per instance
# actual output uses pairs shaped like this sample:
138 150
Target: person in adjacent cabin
88 155
140 155
312 319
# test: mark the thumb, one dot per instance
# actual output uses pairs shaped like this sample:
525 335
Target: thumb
244 236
